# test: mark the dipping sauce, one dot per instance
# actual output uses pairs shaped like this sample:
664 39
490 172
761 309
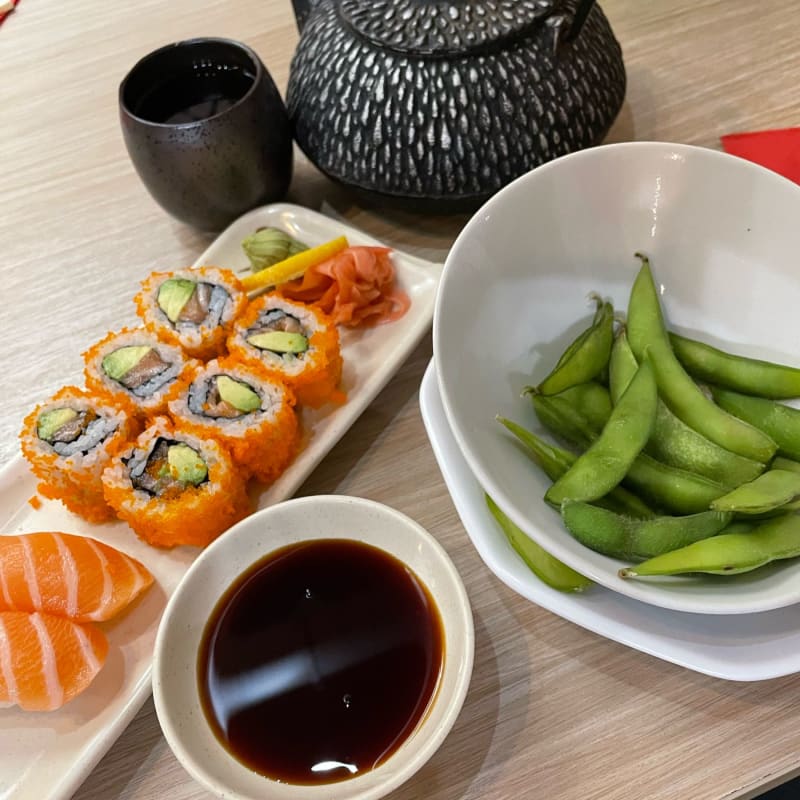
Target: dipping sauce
319 661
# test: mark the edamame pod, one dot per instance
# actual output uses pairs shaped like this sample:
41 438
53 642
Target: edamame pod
647 334
780 422
591 399
609 458
748 375
548 569
779 462
674 442
586 357
668 487
629 539
770 491
554 462
728 553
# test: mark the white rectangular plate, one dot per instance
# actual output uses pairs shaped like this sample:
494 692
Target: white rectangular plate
47 756
745 647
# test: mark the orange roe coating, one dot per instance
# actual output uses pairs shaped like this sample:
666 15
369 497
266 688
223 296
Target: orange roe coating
318 382
76 480
114 392
262 446
201 342
196 515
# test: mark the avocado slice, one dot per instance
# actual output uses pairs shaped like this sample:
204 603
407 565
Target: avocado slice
173 295
279 342
117 364
186 465
50 422
238 394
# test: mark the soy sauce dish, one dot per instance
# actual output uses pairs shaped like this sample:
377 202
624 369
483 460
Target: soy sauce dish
322 647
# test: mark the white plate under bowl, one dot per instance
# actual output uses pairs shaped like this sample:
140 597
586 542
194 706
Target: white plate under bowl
47 756
723 238
742 647
175 686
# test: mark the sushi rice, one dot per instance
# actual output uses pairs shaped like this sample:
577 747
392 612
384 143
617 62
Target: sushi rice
313 374
198 314
159 505
261 434
70 458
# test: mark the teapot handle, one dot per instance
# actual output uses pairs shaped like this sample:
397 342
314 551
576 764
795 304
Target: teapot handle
302 11
567 26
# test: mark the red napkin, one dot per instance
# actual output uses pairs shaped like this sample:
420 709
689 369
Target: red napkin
777 150
6 7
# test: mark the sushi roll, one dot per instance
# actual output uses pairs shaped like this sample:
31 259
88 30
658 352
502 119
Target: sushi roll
135 370
292 342
68 442
251 415
193 308
175 488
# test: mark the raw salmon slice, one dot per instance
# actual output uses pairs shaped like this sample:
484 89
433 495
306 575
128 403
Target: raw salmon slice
68 575
45 661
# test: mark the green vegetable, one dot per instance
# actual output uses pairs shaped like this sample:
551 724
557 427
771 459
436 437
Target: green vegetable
186 465
119 363
50 422
647 335
675 443
747 375
279 342
630 539
728 553
768 492
780 422
609 458
671 488
586 357
554 462
238 394
173 295
268 246
548 569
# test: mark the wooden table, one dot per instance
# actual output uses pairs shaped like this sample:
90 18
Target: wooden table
553 711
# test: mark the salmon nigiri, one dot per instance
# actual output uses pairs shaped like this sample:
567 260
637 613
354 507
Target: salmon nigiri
45 661
68 575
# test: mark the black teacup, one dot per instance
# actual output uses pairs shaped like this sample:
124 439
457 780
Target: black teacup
207 130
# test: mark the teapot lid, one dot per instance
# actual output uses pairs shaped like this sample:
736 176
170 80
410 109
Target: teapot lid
442 27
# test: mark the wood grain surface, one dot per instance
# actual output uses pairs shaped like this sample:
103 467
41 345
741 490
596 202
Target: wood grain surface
553 711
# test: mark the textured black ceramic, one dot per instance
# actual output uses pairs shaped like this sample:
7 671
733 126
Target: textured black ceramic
440 103
206 172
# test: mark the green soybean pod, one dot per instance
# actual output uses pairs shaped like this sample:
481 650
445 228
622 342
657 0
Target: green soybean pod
554 462
728 553
768 492
547 568
606 462
674 442
586 357
748 375
647 334
618 536
591 399
676 490
779 462
780 422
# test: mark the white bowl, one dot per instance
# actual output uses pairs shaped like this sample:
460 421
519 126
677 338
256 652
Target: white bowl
175 688
723 237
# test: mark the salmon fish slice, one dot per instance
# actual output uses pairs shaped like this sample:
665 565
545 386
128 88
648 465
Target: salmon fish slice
45 661
68 575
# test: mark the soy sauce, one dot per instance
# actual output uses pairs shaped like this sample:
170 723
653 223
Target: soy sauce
319 661
201 91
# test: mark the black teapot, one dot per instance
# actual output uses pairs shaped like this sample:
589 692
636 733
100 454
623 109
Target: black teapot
437 104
